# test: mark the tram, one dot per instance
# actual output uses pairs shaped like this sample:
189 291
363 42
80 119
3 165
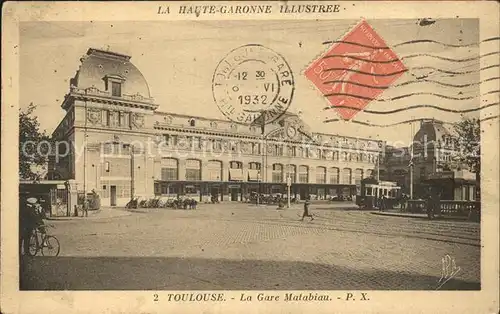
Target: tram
373 192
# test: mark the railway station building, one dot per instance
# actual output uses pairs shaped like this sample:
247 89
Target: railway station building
122 146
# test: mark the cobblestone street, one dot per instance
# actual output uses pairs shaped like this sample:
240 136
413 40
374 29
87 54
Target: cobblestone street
241 246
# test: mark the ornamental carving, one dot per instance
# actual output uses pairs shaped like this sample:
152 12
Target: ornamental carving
168 119
137 120
245 148
94 116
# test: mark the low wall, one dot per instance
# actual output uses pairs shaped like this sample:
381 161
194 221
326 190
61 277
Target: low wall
447 207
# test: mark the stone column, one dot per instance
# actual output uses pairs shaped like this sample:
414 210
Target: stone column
72 190
181 170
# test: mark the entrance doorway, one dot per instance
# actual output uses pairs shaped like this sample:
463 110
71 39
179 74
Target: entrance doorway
303 193
113 195
214 192
234 194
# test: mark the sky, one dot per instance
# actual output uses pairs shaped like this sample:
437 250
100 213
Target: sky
178 60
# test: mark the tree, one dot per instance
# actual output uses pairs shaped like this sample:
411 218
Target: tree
468 141
34 145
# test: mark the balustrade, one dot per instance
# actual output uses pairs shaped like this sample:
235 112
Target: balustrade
447 207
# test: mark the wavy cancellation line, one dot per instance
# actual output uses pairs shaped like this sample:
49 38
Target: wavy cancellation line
366 73
417 41
399 123
413 82
420 41
448 59
410 95
415 107
410 57
433 69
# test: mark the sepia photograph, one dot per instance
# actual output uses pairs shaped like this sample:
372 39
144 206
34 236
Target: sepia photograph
205 155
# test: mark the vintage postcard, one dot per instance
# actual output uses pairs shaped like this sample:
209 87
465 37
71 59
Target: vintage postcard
250 157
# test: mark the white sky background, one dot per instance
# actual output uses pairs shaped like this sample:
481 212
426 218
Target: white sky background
178 60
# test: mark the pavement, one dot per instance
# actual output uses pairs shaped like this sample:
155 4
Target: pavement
397 213
245 247
102 213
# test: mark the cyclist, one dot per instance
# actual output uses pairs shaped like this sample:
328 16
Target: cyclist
31 218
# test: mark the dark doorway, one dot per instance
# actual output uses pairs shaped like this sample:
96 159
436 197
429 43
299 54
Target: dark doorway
113 195
234 194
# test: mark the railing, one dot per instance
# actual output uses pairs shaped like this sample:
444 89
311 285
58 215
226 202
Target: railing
97 92
447 207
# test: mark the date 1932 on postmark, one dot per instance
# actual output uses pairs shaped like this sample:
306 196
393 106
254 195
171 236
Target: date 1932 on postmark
253 82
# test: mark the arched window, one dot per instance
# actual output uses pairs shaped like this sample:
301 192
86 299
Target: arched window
292 170
335 155
254 171
277 173
193 170
303 174
169 169
321 175
358 176
334 175
254 165
236 165
255 148
369 173
192 122
214 168
346 176
235 171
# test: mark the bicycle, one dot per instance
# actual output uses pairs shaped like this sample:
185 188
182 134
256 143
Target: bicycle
48 245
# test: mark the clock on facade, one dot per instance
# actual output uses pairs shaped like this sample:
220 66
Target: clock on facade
291 132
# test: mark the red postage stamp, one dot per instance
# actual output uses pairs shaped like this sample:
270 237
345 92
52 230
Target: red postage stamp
356 70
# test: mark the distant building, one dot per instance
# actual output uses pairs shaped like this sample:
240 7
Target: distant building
434 162
122 146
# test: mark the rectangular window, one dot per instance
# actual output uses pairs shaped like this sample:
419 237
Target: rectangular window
105 117
422 173
193 174
121 118
368 191
320 178
169 174
105 192
277 177
116 89
303 177
166 139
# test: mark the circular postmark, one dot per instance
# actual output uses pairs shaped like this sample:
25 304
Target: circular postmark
253 81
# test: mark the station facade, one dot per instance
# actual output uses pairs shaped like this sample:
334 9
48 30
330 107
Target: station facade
122 146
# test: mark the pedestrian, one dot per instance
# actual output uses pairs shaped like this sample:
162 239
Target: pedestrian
86 208
430 205
306 210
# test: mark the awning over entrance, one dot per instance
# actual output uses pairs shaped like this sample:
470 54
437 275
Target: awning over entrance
253 175
236 174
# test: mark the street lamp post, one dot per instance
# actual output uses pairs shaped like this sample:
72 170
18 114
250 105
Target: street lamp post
288 184
132 170
258 179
